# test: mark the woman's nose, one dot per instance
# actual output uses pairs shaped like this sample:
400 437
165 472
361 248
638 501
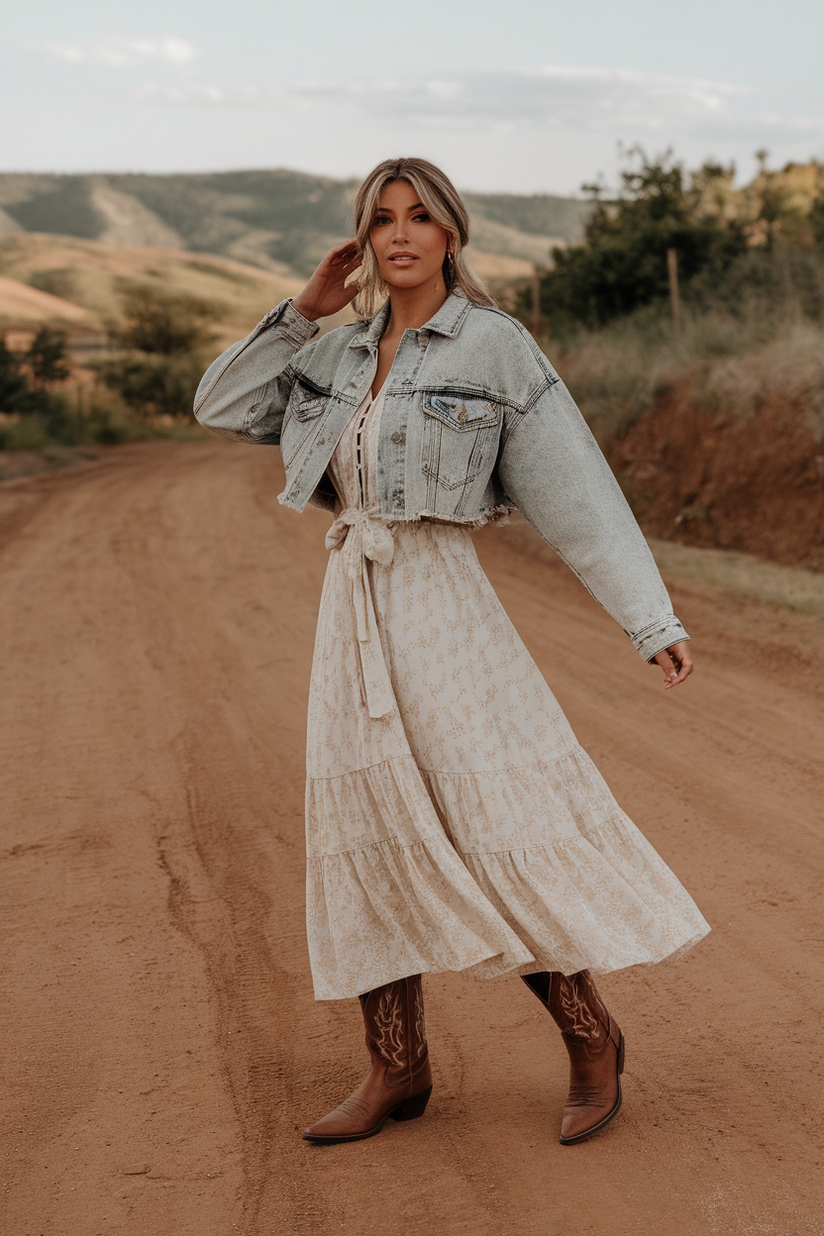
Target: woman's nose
399 231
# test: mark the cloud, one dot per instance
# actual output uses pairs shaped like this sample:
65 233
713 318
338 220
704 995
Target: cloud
582 97
616 102
117 53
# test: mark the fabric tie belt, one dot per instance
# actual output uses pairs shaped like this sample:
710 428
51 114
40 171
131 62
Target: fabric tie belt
363 536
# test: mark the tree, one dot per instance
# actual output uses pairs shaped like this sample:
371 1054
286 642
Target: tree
154 385
47 357
817 221
622 263
165 339
14 386
166 325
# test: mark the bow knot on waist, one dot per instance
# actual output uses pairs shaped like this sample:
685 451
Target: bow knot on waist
365 533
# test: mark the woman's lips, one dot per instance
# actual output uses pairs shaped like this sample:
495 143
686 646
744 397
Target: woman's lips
403 259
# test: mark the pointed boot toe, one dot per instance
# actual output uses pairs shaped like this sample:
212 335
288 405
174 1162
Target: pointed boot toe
354 1121
399 1083
591 1106
595 1046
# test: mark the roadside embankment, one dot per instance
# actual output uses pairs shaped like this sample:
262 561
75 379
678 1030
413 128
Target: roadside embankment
728 478
717 442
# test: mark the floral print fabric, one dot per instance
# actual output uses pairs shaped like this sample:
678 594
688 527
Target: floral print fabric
463 828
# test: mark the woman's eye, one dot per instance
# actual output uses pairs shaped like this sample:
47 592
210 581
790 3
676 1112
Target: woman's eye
421 218
380 220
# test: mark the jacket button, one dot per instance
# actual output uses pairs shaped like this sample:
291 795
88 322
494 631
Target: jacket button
397 436
321 441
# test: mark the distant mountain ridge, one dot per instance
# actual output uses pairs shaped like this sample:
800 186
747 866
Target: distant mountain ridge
280 220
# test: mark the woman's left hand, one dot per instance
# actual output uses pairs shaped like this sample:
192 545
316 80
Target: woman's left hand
676 663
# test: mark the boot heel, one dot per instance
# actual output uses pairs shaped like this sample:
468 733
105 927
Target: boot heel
412 1108
621 1054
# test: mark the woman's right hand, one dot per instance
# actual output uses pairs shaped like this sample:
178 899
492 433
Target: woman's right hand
676 663
326 292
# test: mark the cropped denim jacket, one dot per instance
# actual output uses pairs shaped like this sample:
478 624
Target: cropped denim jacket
475 421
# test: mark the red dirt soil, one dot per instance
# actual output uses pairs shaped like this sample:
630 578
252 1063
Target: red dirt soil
711 478
158 611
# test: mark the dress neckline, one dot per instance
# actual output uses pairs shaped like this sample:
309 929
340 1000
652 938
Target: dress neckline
375 398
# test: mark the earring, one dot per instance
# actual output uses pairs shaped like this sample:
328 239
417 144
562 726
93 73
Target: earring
450 265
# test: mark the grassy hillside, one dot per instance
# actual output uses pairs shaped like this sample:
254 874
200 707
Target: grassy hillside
280 220
539 214
94 277
83 297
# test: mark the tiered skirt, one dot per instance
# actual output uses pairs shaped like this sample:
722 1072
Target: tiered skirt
465 828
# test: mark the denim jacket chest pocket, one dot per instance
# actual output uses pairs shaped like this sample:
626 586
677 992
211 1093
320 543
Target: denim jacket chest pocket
305 405
460 437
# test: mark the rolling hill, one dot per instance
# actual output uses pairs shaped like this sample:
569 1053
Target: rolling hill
280 220
78 285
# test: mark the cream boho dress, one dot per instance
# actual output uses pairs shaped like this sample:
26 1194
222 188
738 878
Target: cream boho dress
453 821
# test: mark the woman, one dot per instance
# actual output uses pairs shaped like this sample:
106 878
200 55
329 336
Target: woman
453 822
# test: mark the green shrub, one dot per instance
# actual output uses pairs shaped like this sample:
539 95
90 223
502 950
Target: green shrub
762 287
622 263
166 325
47 358
30 433
15 392
166 340
152 385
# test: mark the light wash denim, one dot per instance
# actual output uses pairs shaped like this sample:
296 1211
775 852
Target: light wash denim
475 420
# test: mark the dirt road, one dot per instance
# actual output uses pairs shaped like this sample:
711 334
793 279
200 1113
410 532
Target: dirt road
157 614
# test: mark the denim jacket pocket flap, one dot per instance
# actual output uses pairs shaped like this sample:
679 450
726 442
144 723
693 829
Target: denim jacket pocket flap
461 412
306 405
306 401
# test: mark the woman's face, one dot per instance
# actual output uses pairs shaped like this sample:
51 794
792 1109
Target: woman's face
409 245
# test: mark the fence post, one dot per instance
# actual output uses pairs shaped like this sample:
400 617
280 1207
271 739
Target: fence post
536 302
675 298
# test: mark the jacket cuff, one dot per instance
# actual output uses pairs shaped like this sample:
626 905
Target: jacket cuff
292 325
660 635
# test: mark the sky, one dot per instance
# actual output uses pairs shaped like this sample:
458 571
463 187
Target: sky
520 96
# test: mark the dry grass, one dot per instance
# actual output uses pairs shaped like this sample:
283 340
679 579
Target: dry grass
794 587
733 366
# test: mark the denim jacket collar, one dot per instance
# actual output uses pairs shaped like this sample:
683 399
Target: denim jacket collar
447 321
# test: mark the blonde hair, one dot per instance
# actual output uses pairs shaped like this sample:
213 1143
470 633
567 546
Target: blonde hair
443 202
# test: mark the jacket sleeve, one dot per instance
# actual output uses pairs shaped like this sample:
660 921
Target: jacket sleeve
243 394
553 470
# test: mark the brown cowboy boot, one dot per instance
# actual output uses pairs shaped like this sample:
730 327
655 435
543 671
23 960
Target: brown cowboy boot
596 1051
399 1082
